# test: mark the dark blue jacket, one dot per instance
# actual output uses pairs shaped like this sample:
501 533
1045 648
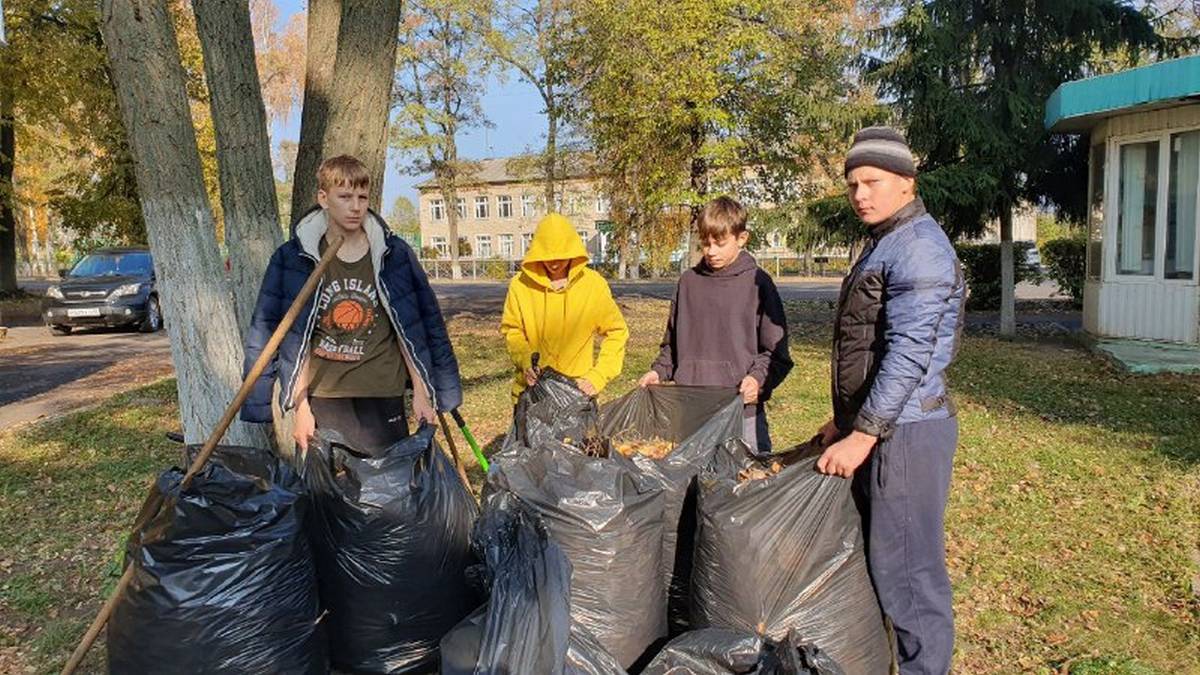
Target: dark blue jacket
412 308
898 326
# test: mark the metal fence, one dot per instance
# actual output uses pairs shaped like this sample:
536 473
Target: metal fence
494 269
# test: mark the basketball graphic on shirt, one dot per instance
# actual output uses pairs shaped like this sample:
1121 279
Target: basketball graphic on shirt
349 315
348 310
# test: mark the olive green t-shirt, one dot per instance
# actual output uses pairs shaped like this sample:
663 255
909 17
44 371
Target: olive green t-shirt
354 348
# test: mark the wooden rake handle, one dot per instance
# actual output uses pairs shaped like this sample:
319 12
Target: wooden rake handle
206 451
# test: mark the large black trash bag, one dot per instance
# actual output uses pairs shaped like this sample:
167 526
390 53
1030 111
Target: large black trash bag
720 651
526 626
392 540
551 411
699 420
224 580
607 518
783 553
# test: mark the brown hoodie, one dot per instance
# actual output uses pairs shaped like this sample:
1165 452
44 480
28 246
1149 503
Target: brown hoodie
726 324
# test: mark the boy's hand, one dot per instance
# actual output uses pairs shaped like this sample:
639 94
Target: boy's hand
749 389
422 408
649 379
305 427
845 456
531 376
585 386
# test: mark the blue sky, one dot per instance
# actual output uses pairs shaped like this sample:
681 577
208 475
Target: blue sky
513 107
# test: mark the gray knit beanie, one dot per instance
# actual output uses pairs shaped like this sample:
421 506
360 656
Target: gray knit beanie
881 147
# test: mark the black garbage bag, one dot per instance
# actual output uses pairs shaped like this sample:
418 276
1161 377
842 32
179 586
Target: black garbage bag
552 411
699 420
224 580
607 519
785 553
525 627
392 541
720 651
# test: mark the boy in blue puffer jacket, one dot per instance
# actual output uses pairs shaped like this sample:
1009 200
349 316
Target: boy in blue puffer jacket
372 328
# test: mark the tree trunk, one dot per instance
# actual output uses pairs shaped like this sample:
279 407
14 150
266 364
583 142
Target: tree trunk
698 181
1008 320
450 199
8 215
252 231
364 71
324 18
550 162
630 259
150 85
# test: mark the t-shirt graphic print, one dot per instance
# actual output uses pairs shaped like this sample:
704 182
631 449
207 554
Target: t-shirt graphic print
354 348
348 310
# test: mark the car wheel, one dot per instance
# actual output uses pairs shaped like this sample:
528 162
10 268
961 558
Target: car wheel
153 320
60 330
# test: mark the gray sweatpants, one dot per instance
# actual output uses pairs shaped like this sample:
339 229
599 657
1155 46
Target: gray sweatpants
901 493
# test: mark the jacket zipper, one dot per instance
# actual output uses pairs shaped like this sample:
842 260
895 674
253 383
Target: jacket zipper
404 343
302 359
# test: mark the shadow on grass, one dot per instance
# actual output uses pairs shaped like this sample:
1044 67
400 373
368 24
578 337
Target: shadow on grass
1054 378
1063 383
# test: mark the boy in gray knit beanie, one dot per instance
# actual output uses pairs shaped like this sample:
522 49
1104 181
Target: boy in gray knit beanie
881 147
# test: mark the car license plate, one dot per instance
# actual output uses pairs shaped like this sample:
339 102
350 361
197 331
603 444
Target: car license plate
83 311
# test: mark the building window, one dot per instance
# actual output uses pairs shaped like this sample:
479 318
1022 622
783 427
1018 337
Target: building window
460 205
558 203
1137 208
483 246
775 239
504 206
526 242
481 207
528 206
506 246
1095 259
1183 182
583 234
437 208
440 244
601 204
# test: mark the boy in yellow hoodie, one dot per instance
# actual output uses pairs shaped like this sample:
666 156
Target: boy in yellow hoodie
556 306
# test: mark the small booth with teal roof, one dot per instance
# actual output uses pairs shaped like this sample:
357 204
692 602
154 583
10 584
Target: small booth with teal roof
1143 126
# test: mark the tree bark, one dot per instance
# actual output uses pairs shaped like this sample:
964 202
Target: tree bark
252 231
150 86
1008 322
549 164
8 214
364 73
324 19
450 199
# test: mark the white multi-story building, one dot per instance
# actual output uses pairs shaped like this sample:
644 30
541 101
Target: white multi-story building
499 208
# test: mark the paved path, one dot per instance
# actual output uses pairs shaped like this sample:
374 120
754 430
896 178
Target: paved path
44 375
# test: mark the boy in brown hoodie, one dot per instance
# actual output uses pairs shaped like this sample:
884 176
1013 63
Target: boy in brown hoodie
727 327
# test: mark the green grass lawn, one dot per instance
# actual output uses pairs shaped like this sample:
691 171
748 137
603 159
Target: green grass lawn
1072 526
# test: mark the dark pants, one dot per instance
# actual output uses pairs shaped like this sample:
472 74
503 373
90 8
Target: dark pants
369 425
755 431
901 493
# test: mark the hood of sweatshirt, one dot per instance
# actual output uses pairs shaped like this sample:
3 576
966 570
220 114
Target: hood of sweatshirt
554 239
742 265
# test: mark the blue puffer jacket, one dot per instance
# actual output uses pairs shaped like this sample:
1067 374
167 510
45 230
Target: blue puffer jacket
412 308
898 325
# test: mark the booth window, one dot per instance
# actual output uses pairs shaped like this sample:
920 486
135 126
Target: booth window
1184 181
1138 208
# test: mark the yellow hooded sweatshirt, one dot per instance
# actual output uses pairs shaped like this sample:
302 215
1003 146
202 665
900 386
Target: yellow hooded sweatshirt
561 325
